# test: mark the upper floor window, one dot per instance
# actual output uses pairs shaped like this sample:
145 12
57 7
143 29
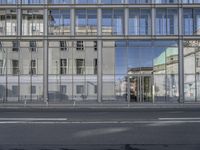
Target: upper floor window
113 21
191 21
139 1
59 1
191 1
86 1
166 1
8 1
32 22
32 1
59 22
167 21
8 22
112 1
86 21
139 22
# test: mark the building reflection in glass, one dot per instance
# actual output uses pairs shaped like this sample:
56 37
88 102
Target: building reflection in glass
149 69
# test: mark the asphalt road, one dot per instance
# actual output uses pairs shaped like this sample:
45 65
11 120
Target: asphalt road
102 129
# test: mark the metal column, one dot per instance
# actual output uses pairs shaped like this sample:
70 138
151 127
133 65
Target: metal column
45 55
153 16
181 58
99 56
72 18
126 16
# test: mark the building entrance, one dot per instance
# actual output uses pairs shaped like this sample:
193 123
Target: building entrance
141 88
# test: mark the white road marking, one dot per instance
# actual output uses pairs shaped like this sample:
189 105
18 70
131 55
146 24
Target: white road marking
33 119
66 121
99 122
178 118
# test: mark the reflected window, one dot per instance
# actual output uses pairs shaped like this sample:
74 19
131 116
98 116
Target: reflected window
80 66
63 66
139 1
33 67
192 70
86 1
95 45
33 46
95 66
8 22
112 22
63 45
166 1
86 21
15 46
79 46
63 89
59 1
1 67
59 22
112 1
15 90
32 1
33 89
8 1
80 89
32 22
15 66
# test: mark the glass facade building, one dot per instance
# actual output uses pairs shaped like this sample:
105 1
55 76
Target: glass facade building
106 51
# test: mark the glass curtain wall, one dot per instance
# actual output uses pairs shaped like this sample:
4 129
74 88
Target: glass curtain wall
72 70
112 21
86 1
21 68
112 1
31 70
8 1
139 22
86 22
8 22
155 59
32 1
59 1
166 21
191 21
192 70
32 22
59 21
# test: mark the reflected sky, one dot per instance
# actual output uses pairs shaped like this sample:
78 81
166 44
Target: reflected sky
137 55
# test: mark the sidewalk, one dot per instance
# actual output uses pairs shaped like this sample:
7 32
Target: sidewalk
99 105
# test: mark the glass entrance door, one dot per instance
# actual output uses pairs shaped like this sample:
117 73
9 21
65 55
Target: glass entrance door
140 87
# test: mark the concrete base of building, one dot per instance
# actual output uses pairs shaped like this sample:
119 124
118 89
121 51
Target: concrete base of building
96 105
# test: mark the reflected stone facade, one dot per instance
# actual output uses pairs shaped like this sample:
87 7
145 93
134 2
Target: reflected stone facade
106 51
